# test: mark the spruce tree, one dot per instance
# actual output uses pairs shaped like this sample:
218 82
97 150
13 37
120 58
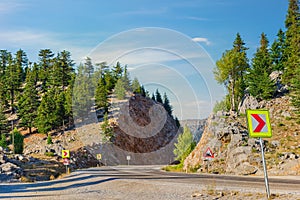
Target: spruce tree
135 85
3 121
277 52
117 72
120 90
101 95
153 97
107 130
13 80
109 81
259 82
28 103
62 69
83 92
292 53
46 113
89 67
126 79
22 63
45 65
158 97
167 105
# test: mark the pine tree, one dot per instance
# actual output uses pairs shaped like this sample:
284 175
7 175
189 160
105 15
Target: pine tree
83 92
89 67
4 57
167 105
277 52
109 81
13 80
120 90
177 122
60 109
45 65
68 104
117 72
46 116
22 63
184 145
62 69
126 80
101 95
3 121
107 130
153 97
28 103
231 69
158 97
260 85
292 53
143 91
135 85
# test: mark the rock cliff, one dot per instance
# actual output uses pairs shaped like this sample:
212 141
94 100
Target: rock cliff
235 153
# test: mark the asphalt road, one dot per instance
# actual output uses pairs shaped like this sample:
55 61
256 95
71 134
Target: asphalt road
140 182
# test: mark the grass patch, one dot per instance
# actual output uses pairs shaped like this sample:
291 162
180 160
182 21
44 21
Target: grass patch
50 154
173 168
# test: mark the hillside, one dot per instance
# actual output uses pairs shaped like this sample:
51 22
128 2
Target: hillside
235 153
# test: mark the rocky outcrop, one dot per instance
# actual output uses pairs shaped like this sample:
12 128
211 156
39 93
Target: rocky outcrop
230 145
9 171
248 102
236 153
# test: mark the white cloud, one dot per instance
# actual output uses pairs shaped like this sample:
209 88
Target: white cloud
201 39
9 6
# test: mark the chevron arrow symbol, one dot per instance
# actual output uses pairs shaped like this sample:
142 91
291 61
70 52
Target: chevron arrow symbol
261 123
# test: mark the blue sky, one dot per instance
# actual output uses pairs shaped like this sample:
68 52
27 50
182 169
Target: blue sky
84 27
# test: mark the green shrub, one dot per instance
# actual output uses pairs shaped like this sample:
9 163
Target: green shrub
50 154
223 105
49 140
3 142
18 140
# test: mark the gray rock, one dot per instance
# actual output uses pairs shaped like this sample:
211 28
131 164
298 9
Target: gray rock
3 158
286 114
248 102
8 167
275 143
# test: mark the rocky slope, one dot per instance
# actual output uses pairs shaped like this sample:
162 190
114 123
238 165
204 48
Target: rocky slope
143 132
235 153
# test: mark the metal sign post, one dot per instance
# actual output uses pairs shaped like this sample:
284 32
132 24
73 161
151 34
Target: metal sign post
265 167
128 159
259 126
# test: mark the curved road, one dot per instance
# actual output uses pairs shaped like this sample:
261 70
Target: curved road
140 182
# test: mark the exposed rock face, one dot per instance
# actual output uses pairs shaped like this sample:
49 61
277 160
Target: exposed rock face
236 153
229 143
196 127
248 102
145 132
